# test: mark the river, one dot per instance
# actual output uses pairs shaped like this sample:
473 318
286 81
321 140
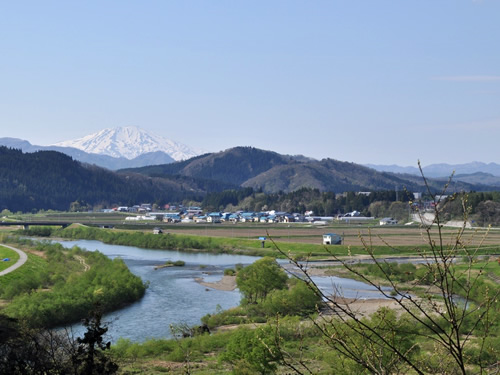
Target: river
174 297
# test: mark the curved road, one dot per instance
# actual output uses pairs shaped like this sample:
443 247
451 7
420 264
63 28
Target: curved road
22 259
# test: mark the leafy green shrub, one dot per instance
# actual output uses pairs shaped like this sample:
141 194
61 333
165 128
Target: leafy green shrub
298 299
73 292
229 272
235 315
177 263
38 231
257 280
252 350
238 267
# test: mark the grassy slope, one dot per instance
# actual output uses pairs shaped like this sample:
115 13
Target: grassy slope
33 263
7 253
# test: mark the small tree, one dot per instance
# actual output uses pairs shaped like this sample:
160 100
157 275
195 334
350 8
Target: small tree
252 351
5 212
89 357
258 279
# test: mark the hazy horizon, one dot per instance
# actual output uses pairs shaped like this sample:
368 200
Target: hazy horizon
365 82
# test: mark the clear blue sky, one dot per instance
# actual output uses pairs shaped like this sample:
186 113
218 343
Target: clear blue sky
363 81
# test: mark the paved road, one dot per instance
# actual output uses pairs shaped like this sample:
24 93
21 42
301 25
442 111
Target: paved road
22 259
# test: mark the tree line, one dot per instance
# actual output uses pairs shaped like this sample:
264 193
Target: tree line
483 207
301 200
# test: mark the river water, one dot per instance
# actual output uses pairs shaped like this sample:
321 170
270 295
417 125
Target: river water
174 297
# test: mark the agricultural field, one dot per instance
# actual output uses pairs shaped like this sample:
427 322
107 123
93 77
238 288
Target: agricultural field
352 234
407 235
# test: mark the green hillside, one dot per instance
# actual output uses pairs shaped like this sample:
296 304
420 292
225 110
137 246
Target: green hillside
52 180
233 166
272 172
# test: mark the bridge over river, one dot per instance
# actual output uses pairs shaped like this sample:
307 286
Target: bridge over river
27 224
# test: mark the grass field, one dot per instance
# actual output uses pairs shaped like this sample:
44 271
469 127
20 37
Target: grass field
491 268
34 263
7 253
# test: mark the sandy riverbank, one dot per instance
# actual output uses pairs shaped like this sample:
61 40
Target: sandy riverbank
363 307
227 283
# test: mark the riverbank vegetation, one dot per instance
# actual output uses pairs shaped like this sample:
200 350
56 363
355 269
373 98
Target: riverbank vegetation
170 241
409 241
58 286
292 344
444 318
455 309
267 291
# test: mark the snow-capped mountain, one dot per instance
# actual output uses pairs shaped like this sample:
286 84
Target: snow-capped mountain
129 142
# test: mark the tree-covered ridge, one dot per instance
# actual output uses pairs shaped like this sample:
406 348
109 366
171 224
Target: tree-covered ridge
272 172
52 180
233 166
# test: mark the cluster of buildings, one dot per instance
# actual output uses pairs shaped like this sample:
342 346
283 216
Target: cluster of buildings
144 212
196 215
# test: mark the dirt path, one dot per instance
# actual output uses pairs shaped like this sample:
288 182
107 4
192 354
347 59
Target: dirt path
86 267
22 259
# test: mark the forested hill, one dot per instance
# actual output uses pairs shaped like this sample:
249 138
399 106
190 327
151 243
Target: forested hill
234 166
52 180
327 175
272 172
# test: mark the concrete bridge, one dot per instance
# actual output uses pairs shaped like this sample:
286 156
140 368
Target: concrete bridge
27 224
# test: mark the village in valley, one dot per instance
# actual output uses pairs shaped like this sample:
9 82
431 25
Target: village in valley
250 187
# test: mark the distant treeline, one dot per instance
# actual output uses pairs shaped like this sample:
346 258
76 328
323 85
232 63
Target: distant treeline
302 200
484 207
128 238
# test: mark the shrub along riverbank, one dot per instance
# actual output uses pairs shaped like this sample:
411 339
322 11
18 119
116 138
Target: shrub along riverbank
58 286
279 333
209 244
280 327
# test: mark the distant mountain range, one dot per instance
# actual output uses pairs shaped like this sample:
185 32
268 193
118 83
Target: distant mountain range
39 178
118 148
52 180
129 142
133 147
272 172
475 173
104 161
442 170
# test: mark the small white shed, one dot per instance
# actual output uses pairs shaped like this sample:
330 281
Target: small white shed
331 239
